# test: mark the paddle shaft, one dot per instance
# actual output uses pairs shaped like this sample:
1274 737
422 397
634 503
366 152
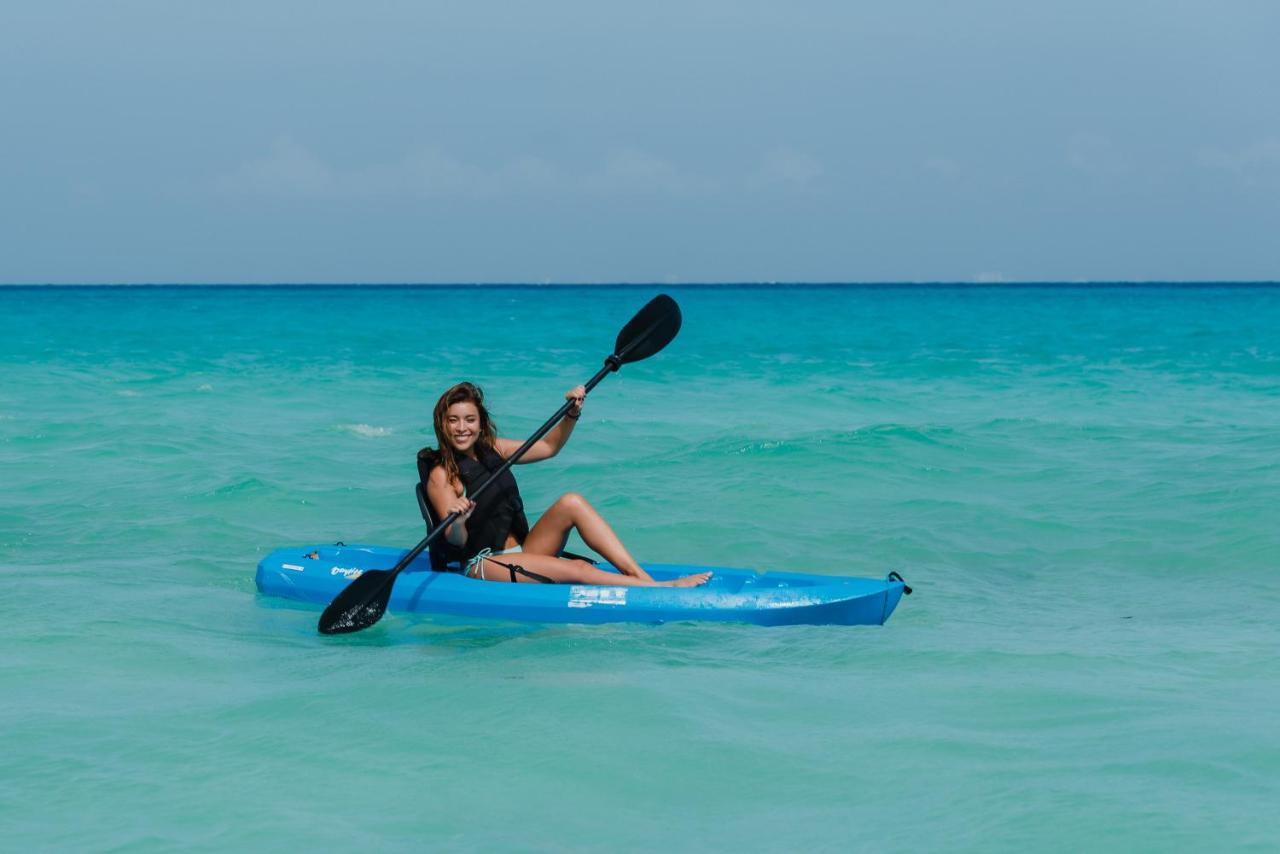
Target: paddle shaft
610 365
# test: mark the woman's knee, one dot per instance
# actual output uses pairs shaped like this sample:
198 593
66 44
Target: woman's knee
572 501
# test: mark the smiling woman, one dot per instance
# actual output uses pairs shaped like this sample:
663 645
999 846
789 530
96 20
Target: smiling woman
470 452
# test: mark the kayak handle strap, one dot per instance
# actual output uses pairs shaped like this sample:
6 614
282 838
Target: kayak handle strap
894 576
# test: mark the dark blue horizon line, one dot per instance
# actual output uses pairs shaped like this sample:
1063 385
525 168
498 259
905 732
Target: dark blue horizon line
1155 283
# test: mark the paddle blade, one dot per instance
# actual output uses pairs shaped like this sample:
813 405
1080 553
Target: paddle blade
359 606
649 331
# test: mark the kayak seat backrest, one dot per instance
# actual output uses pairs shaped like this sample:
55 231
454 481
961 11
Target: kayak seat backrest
424 507
439 561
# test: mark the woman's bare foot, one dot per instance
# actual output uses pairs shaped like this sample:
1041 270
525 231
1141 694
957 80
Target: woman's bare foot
696 580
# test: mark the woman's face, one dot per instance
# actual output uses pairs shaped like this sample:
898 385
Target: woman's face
462 426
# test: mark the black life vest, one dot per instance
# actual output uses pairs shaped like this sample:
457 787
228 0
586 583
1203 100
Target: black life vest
499 511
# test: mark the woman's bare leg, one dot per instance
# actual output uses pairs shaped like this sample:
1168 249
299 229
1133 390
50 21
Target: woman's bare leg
576 572
570 511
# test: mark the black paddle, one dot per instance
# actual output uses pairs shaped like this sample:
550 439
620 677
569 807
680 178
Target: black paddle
365 600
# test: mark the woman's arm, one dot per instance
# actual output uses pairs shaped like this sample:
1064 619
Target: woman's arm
549 445
445 499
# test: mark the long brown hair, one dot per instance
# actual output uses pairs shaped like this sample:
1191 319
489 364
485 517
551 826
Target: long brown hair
445 455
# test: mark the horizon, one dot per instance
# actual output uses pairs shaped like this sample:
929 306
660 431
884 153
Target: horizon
1100 283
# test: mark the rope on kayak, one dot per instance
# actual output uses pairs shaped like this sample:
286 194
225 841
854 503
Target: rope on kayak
893 576
515 568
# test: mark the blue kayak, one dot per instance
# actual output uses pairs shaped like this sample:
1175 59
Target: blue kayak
732 595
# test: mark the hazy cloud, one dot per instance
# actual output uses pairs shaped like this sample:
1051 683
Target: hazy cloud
1095 154
944 167
990 277
291 170
1255 165
789 168
634 171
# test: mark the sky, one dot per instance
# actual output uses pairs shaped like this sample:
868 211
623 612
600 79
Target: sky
156 141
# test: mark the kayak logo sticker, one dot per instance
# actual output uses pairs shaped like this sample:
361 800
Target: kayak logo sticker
348 574
586 597
293 566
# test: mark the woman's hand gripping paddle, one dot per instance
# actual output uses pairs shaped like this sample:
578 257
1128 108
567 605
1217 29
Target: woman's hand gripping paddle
365 600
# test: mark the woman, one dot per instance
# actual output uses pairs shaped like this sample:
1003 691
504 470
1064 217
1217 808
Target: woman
491 537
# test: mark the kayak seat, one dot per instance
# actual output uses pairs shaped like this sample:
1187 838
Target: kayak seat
441 563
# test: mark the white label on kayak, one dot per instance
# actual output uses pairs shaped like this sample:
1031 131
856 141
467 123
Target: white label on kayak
346 573
585 597
292 566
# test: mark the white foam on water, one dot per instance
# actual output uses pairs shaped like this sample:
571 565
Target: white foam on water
366 430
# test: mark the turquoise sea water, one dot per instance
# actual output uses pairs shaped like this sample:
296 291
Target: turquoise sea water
1080 483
